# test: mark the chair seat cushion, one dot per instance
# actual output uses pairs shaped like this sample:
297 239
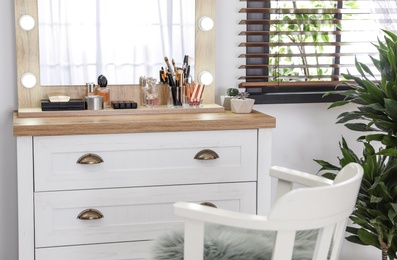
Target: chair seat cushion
221 243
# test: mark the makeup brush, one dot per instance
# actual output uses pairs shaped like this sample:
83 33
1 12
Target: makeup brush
173 64
167 62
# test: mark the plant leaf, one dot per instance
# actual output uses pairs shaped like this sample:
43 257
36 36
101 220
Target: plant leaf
327 166
391 108
338 103
368 238
388 152
361 127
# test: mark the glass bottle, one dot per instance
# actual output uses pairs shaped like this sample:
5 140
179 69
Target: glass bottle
151 96
103 90
143 89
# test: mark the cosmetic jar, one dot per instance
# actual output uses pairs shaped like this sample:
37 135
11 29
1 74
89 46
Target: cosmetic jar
94 102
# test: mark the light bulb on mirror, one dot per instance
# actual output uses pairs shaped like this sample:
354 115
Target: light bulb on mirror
28 80
205 78
206 23
26 22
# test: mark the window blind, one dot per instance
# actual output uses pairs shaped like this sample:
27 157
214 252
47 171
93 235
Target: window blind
304 45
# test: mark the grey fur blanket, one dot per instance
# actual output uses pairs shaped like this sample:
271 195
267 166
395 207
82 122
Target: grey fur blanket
226 243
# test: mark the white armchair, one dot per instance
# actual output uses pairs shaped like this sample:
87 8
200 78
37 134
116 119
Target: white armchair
317 213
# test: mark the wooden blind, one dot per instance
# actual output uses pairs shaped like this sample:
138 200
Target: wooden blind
305 44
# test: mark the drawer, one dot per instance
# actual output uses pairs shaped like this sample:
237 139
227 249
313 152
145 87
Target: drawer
144 159
114 251
129 214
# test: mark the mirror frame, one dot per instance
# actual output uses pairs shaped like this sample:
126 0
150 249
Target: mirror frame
27 53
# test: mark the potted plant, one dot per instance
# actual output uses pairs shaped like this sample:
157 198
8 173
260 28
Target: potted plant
241 104
230 93
375 215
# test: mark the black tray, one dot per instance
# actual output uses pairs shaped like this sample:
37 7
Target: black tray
73 104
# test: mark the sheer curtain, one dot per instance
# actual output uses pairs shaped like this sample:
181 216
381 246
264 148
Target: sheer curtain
121 39
385 13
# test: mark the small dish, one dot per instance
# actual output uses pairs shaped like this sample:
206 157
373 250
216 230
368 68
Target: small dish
58 98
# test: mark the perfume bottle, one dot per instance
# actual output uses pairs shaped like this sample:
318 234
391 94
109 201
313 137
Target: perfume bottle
103 90
144 88
90 88
152 96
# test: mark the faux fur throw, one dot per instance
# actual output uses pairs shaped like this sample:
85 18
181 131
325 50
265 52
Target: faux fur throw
226 243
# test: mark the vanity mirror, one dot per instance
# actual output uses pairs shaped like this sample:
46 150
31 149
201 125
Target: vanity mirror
28 56
122 39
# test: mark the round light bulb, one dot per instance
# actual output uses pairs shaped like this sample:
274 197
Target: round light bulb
206 78
28 80
206 23
26 22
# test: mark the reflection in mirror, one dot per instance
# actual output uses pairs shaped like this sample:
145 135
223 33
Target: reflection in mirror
122 39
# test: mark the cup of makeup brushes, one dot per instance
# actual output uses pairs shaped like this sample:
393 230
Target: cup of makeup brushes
194 94
196 103
175 97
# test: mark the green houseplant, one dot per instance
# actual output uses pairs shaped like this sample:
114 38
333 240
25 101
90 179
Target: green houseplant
375 215
230 93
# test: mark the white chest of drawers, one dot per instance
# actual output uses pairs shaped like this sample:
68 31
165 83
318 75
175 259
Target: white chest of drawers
131 182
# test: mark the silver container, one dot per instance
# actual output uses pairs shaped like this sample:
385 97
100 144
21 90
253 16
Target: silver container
94 102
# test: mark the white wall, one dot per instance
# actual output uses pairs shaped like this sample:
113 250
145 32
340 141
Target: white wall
304 131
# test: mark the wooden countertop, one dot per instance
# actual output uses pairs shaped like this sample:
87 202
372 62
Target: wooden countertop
77 125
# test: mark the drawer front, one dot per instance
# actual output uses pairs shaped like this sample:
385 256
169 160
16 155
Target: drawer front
114 251
144 159
129 214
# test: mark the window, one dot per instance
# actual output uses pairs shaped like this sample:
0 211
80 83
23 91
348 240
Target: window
295 51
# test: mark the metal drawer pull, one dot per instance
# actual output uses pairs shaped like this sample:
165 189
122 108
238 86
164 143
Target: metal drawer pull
90 214
206 154
90 158
209 204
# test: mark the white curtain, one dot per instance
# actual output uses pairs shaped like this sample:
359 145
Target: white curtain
121 39
385 13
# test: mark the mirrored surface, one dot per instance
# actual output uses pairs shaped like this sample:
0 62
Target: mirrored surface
121 39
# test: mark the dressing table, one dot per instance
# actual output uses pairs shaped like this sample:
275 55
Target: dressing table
101 184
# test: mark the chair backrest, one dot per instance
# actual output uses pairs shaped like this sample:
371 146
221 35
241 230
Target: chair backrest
319 203
324 207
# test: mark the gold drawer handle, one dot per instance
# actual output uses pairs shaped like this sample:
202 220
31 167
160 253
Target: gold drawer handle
206 154
208 204
90 214
90 158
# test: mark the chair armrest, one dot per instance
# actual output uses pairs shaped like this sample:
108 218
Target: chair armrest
299 177
205 214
